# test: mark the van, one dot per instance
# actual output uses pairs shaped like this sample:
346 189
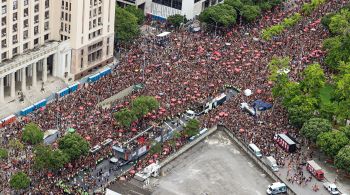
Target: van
276 188
271 162
255 150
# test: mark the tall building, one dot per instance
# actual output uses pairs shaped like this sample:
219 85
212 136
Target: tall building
60 38
161 9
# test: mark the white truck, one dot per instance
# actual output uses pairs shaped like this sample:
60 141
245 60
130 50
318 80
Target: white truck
331 188
205 108
271 162
276 188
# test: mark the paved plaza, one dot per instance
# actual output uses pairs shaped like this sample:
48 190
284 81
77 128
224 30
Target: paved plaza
214 166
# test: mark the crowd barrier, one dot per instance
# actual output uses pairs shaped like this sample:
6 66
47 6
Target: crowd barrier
40 104
26 111
8 120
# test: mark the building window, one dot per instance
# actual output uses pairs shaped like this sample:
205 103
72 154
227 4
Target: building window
15 17
25 12
4 9
46 26
25 46
25 34
25 23
15 51
3 21
36 8
4 55
15 4
36 30
3 43
25 2
47 4
14 39
47 15
176 4
36 41
46 37
36 19
14 28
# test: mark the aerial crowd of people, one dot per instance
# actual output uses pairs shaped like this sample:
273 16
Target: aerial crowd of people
188 68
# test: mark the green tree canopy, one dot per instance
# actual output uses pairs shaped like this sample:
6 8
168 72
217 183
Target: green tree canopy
192 127
314 127
289 91
314 79
343 110
126 26
73 145
138 13
3 153
125 117
339 23
326 20
250 12
222 14
345 130
342 160
301 109
176 20
19 181
144 104
338 50
328 110
277 66
236 4
331 142
342 90
32 134
46 158
16 144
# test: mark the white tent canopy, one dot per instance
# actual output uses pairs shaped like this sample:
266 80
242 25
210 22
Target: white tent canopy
248 92
111 192
163 34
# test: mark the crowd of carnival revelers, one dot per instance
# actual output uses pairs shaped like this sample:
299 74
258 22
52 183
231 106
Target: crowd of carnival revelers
188 69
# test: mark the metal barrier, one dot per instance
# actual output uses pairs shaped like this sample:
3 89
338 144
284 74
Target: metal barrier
258 161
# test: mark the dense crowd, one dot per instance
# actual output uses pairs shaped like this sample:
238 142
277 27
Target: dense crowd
188 68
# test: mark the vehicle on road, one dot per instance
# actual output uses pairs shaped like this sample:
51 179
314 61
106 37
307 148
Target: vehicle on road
255 150
271 162
331 188
285 142
315 169
204 108
276 188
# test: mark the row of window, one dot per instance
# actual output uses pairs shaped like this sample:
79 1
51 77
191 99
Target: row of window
176 4
25 46
25 2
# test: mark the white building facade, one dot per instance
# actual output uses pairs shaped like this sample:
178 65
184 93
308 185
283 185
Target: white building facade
161 9
58 38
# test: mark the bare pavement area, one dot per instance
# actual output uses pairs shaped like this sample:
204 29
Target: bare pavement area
213 166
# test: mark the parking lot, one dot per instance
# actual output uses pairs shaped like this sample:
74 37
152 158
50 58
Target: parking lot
214 166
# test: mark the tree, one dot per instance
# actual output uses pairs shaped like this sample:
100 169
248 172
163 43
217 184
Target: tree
314 79
342 89
279 85
156 148
289 91
339 23
331 142
326 20
32 134
144 104
338 50
345 130
138 13
278 66
343 110
19 181
16 144
126 27
222 15
46 158
250 12
192 127
3 153
301 109
328 110
314 127
125 117
176 20
73 145
236 4
342 160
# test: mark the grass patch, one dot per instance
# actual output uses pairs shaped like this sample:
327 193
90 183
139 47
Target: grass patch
326 94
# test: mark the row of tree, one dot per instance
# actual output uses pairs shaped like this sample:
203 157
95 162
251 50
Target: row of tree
231 11
140 106
127 21
70 147
277 29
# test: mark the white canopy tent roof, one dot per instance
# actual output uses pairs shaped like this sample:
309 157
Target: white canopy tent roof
111 192
163 34
247 92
